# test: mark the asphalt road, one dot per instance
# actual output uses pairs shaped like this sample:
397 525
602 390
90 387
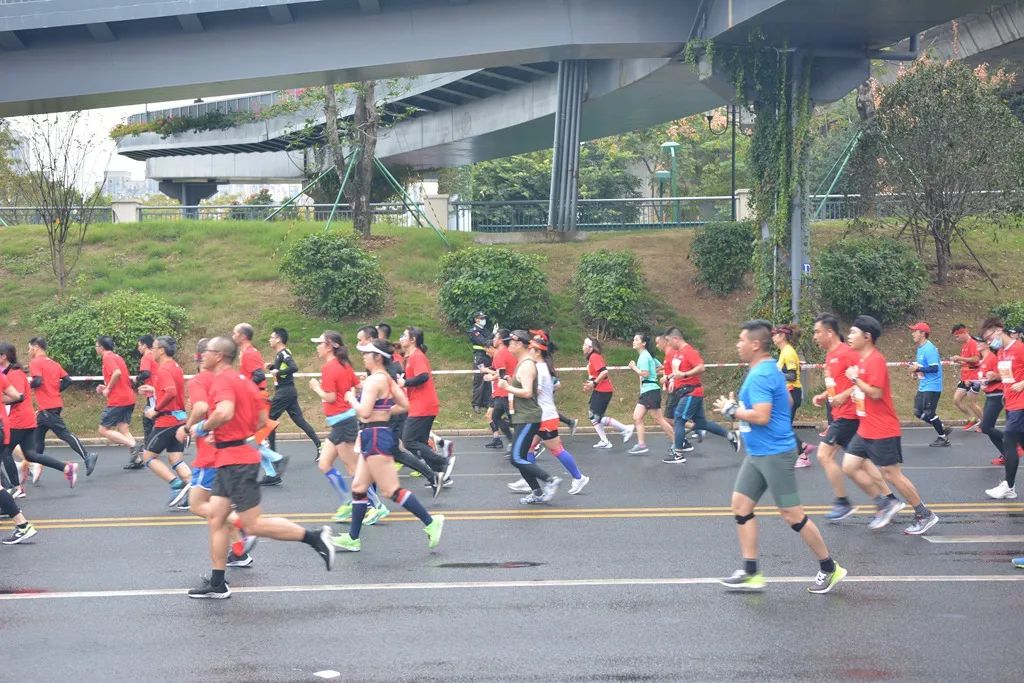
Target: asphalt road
616 584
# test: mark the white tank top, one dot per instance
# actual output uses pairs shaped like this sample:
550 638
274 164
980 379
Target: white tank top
546 392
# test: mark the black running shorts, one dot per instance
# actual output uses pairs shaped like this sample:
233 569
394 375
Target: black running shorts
240 484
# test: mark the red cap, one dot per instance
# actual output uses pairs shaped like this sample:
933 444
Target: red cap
921 327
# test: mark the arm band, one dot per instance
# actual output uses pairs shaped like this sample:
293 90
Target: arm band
417 380
65 382
36 382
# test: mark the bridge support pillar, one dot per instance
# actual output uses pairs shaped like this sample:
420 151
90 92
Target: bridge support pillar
565 162
189 194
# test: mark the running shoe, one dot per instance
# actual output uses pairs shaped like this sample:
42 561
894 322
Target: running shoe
178 495
36 470
675 458
248 542
550 488
823 582
433 531
940 442
17 492
21 533
742 581
450 457
698 435
1002 491
603 444
90 463
999 461
23 474
325 547
244 560
435 486
638 449
448 483
343 513
531 499
685 448
374 515
413 473
578 484
885 515
1018 562
627 433
573 424
494 443
271 481
208 591
539 450
347 543
971 424
839 512
183 506
71 473
734 439
802 461
921 524
519 486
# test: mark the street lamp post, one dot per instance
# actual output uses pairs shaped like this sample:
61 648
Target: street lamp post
671 146
662 176
732 114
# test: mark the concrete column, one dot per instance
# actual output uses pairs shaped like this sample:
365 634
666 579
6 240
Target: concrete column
189 194
743 210
572 83
125 211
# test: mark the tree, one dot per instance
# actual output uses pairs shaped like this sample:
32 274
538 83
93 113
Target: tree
56 182
946 146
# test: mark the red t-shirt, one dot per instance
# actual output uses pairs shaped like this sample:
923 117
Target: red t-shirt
503 360
3 410
969 371
1011 369
48 393
147 364
990 364
199 392
21 415
251 362
338 379
595 364
877 415
121 394
836 381
422 398
169 379
666 367
231 386
685 359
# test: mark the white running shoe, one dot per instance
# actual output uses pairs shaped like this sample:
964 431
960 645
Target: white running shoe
578 484
550 488
802 461
1002 491
603 444
36 470
627 433
519 486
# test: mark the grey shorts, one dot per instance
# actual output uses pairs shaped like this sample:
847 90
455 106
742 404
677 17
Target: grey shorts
115 415
239 484
772 473
841 431
345 431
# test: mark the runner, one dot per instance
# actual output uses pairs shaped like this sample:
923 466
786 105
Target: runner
784 337
479 340
9 479
23 530
503 364
251 361
992 386
878 434
927 368
600 387
763 412
49 380
1011 371
418 384
969 360
286 399
21 424
380 395
237 413
686 370
147 369
646 368
843 422
116 387
168 414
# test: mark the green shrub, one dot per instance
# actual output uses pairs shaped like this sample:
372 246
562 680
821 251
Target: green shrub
879 277
1011 312
333 276
722 254
509 286
71 328
611 293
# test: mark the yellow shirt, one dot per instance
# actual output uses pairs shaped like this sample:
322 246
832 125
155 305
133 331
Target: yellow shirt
789 361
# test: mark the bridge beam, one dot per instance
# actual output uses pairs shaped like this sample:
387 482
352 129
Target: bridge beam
565 161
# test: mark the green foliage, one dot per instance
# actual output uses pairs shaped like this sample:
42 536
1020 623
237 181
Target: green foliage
722 254
333 276
1011 312
877 277
508 285
71 327
611 292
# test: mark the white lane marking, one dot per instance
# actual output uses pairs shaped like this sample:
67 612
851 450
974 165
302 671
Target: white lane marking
477 585
328 673
993 538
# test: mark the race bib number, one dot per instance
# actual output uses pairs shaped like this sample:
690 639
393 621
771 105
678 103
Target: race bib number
830 387
1005 368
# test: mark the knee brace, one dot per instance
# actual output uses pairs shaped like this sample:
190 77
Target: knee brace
743 519
799 525
150 459
594 419
359 497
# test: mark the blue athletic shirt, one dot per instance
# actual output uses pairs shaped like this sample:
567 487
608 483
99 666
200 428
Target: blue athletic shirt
646 362
928 355
765 383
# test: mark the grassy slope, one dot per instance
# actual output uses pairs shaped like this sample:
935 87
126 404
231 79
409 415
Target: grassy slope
226 272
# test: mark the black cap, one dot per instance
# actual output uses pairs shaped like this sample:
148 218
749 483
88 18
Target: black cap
479 314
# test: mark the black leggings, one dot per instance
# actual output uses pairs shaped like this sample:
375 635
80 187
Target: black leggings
499 416
7 504
521 442
51 421
993 407
797 396
26 438
415 436
285 400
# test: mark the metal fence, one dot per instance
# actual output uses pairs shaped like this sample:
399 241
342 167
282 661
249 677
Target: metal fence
33 215
392 213
850 206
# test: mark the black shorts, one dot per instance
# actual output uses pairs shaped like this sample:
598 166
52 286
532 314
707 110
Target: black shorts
344 432
115 415
882 452
1014 422
926 402
650 399
841 431
163 439
969 387
599 401
240 484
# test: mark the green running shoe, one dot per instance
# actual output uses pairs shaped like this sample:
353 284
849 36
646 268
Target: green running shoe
374 515
346 542
433 531
823 582
742 581
343 513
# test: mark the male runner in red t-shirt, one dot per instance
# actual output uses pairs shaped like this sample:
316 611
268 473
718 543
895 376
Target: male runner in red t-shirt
237 414
168 413
878 435
969 359
250 360
503 364
116 387
1010 365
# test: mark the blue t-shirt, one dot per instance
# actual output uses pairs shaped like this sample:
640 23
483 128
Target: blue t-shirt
928 355
646 362
765 383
